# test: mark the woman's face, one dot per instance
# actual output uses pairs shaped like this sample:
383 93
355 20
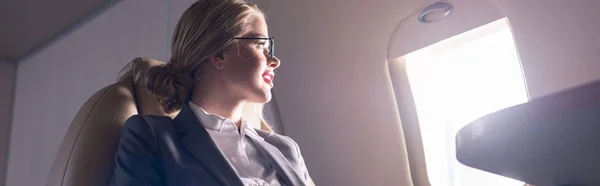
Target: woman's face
248 69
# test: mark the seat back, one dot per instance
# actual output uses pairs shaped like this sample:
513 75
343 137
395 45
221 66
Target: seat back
86 154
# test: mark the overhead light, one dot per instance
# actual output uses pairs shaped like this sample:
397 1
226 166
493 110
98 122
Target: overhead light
435 12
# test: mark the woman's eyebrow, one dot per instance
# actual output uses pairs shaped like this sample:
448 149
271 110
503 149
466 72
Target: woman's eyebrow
256 35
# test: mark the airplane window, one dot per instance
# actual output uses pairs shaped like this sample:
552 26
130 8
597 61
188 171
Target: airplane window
456 81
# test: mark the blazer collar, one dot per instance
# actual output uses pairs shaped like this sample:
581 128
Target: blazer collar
196 140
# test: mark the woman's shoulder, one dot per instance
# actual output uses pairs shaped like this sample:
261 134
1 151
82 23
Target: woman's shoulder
146 124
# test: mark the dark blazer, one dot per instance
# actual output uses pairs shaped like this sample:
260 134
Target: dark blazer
157 151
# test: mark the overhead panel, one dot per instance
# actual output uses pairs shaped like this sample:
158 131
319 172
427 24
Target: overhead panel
28 24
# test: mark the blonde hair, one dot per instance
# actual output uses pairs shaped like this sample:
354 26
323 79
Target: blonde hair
205 28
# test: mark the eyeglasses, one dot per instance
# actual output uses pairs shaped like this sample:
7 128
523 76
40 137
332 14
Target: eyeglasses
271 43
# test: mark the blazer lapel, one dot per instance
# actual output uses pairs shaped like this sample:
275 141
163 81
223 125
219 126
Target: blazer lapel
281 165
196 140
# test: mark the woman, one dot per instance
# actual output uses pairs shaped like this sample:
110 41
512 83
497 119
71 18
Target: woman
221 59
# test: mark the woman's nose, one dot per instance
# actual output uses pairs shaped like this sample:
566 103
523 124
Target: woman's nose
274 62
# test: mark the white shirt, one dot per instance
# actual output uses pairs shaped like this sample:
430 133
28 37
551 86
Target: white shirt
252 167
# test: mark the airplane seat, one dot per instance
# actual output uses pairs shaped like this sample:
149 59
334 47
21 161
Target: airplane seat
85 156
547 141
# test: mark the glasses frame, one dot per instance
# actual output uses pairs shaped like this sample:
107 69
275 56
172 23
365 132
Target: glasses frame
271 44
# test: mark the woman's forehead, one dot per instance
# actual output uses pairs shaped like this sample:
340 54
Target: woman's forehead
256 34
258 27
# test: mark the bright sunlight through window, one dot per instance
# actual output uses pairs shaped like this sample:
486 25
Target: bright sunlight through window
457 81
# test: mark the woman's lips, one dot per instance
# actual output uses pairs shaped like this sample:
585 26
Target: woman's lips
268 77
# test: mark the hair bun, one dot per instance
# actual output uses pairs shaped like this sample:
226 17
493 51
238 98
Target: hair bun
171 84
173 67
181 76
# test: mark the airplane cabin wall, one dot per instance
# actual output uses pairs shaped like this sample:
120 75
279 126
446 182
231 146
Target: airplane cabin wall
557 40
7 80
333 90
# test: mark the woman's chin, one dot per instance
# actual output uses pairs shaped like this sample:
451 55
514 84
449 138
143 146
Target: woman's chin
267 97
267 94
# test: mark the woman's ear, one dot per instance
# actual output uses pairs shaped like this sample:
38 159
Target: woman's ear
217 60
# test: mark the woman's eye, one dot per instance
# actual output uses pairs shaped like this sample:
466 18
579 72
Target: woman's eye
262 44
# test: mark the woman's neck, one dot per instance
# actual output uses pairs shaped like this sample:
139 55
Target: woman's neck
219 104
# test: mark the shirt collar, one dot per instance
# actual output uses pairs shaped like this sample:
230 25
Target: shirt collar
218 123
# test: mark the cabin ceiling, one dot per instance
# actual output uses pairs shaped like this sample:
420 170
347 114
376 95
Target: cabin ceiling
28 25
